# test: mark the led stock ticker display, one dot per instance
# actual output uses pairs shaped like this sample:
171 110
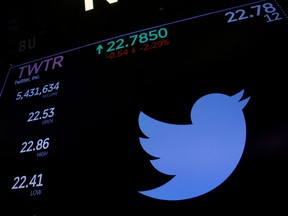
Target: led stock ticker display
90 114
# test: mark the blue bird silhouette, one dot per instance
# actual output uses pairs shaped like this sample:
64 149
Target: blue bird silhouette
200 155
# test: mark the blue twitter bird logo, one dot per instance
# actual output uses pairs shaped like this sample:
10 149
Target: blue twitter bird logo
201 155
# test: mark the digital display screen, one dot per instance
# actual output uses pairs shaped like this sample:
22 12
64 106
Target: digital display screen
149 106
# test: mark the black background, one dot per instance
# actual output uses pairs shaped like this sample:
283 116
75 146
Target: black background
95 163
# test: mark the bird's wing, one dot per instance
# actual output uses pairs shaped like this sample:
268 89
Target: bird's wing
161 141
